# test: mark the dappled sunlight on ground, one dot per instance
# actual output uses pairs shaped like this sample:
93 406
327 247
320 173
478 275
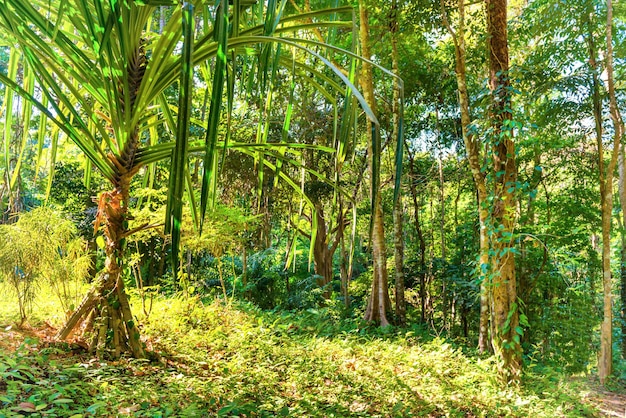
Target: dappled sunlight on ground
610 404
234 359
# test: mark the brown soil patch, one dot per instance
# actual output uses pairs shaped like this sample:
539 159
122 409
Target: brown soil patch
609 404
11 337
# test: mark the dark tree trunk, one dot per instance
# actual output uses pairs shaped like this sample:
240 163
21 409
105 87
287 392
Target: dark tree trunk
423 288
322 255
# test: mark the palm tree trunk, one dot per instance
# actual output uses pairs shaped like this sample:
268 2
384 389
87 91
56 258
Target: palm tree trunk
106 305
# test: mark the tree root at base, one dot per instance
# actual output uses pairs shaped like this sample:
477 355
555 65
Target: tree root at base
110 327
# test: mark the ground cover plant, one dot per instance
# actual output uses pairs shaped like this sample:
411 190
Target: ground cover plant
210 358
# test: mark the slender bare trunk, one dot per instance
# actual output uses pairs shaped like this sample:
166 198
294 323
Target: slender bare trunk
322 256
379 303
422 242
398 210
345 276
622 200
605 360
399 262
472 148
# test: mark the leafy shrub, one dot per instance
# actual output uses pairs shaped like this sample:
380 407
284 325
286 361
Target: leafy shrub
42 245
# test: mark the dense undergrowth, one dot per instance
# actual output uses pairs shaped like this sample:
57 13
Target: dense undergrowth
218 359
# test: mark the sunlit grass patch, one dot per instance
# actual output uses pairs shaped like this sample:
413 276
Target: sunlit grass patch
46 308
268 361
219 359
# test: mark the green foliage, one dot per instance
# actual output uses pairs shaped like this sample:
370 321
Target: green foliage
266 279
71 196
42 245
36 382
217 359
568 347
310 364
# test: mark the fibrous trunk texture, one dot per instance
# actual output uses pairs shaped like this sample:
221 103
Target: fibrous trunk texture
110 327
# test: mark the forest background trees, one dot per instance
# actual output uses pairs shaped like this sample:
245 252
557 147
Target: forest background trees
286 163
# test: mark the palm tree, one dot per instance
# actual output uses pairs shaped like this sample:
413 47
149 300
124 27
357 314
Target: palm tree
101 69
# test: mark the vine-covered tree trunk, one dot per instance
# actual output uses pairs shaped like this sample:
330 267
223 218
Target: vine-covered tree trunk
379 302
504 313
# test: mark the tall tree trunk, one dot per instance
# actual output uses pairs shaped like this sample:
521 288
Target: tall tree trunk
322 257
504 313
445 300
398 210
472 148
622 200
379 303
399 262
605 360
345 275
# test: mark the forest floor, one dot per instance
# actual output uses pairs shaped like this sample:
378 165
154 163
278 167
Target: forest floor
609 404
217 359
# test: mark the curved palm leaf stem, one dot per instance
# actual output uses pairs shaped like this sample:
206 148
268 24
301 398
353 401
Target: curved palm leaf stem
297 164
159 152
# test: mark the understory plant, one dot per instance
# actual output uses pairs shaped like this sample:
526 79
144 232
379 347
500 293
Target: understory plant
43 246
